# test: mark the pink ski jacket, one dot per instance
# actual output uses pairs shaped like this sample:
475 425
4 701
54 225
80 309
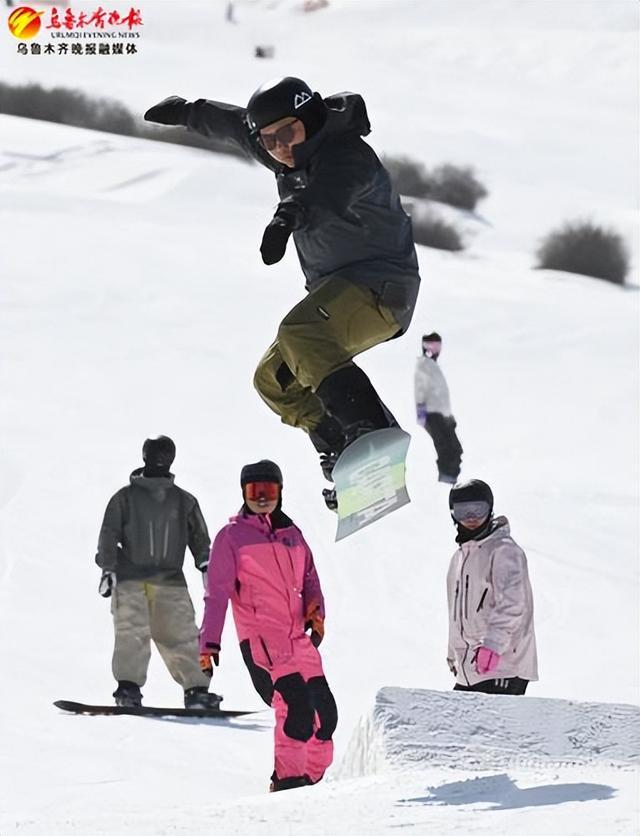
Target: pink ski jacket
271 579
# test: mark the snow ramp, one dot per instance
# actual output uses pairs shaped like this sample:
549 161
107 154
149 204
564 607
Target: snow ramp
421 729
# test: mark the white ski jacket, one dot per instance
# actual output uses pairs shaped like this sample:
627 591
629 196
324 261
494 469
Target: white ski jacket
491 604
431 387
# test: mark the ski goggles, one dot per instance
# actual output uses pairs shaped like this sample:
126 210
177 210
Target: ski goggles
262 490
466 511
284 135
431 347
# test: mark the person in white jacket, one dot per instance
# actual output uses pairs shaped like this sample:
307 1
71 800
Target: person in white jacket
433 409
492 643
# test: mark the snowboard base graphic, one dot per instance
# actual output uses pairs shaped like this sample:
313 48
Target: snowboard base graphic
369 479
146 710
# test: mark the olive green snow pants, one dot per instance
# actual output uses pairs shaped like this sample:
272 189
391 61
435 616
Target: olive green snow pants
333 323
144 611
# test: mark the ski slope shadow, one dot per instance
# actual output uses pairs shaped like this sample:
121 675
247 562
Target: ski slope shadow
217 722
501 793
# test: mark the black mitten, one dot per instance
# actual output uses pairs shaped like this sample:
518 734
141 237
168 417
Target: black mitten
274 240
170 111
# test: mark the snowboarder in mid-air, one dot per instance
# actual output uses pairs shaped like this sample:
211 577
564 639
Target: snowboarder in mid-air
353 239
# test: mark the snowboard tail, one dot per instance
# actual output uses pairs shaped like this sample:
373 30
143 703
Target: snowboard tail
145 710
369 479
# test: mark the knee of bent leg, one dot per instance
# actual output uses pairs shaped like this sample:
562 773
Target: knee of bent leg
294 691
325 707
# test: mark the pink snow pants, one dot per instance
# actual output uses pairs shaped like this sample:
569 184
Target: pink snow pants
306 713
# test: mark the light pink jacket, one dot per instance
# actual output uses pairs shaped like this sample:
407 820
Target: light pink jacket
271 579
491 604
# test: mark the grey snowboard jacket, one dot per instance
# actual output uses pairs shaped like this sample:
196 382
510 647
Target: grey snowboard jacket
346 217
146 529
491 604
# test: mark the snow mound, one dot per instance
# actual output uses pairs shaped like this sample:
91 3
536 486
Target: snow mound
422 729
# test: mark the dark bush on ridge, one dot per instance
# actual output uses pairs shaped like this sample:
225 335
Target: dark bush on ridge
436 233
408 176
73 107
582 247
455 185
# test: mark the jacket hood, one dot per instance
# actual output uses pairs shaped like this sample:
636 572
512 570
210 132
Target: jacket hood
346 113
498 530
150 483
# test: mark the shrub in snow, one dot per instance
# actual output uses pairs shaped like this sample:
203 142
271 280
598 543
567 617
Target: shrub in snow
408 176
71 107
456 185
434 232
583 247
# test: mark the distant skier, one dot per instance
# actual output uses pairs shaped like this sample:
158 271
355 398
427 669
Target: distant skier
433 408
492 644
353 239
261 562
147 527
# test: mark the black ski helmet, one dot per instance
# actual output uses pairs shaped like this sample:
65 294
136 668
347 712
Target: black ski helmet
475 490
288 96
262 471
159 452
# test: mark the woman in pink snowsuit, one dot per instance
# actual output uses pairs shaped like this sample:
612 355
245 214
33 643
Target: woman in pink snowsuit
261 562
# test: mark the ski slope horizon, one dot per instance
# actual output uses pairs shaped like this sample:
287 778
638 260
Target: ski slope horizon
134 303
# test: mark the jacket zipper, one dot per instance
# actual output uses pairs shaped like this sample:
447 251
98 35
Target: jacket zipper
466 597
151 537
484 595
455 603
464 658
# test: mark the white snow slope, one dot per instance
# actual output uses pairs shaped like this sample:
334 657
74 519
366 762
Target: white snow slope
133 302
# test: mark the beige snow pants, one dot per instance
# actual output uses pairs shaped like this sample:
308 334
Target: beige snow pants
143 611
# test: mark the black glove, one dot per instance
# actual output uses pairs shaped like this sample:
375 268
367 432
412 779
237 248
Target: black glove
170 111
107 583
274 240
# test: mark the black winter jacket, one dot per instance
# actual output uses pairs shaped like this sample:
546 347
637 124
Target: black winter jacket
346 216
146 529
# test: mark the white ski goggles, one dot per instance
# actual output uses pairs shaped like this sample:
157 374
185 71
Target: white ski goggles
465 511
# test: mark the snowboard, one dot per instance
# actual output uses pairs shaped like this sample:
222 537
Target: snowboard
146 710
369 479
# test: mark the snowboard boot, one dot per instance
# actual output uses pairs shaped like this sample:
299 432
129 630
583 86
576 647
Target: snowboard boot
328 439
278 784
127 695
348 395
201 699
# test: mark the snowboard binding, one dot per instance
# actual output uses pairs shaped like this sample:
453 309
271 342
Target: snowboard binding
330 498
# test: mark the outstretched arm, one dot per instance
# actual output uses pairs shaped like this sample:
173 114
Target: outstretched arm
218 120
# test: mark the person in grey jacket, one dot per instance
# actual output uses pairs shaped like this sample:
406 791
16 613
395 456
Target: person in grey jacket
433 408
146 529
353 239
492 643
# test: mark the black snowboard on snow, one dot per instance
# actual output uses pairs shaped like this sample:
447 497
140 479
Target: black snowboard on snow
146 710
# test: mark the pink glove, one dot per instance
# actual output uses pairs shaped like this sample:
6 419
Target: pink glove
486 660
